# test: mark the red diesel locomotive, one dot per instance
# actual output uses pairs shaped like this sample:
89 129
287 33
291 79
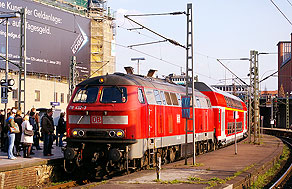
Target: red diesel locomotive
120 120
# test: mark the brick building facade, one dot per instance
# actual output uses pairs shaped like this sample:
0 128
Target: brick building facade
284 67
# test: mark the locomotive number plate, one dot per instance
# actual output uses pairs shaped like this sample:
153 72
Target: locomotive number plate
96 119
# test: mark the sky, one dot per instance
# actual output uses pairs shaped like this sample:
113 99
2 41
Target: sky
223 29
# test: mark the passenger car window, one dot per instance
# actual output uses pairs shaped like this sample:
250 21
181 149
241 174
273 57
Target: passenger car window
86 95
198 102
141 96
113 94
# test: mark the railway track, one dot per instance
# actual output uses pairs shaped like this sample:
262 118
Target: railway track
285 179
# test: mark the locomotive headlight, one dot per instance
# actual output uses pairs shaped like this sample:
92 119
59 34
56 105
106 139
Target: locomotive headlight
74 132
101 80
81 133
120 134
112 133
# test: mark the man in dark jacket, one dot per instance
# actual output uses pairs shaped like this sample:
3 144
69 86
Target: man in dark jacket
18 119
47 131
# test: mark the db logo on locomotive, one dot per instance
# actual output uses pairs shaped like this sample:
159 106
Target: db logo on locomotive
96 119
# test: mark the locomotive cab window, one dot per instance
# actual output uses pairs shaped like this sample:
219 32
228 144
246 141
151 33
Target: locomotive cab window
141 96
114 94
86 95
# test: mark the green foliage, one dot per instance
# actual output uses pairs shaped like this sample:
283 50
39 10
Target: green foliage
195 179
198 164
264 179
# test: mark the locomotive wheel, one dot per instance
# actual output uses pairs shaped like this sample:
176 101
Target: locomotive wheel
171 155
199 148
164 157
69 166
144 161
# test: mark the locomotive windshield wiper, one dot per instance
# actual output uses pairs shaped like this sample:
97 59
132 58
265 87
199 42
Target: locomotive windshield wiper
81 117
121 91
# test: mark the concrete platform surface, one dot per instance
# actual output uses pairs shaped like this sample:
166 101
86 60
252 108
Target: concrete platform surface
219 169
37 159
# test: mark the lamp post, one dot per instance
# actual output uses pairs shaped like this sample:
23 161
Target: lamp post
138 66
55 99
6 17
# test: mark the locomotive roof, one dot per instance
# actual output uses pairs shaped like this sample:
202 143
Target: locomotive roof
132 79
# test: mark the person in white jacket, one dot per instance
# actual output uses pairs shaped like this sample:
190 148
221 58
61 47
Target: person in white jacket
26 139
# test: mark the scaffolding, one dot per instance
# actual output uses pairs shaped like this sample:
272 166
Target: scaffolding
102 35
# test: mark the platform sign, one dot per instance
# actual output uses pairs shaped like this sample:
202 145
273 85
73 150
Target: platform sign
186 104
55 103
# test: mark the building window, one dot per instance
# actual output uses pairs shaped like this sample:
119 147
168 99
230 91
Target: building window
62 97
14 94
37 95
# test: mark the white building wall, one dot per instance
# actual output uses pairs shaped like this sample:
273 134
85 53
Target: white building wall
46 88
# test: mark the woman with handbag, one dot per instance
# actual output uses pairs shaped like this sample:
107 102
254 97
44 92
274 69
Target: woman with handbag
27 136
13 128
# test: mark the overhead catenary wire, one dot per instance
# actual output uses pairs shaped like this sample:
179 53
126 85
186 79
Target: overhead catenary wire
159 14
152 31
154 57
281 12
289 3
149 43
232 72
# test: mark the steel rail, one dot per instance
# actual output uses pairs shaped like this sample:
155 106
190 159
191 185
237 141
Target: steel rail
284 176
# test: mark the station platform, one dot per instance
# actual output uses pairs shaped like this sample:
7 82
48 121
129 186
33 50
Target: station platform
219 169
30 172
36 159
279 129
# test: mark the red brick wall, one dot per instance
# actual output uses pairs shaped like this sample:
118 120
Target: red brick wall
285 72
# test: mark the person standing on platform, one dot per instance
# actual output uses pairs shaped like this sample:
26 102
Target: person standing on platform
36 136
3 129
18 119
47 131
34 126
11 135
61 128
27 137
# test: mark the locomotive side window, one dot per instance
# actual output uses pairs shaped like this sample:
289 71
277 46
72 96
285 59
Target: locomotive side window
167 97
174 99
141 96
163 97
86 95
178 99
150 96
157 97
114 94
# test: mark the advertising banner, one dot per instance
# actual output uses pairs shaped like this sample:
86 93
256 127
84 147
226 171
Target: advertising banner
53 36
